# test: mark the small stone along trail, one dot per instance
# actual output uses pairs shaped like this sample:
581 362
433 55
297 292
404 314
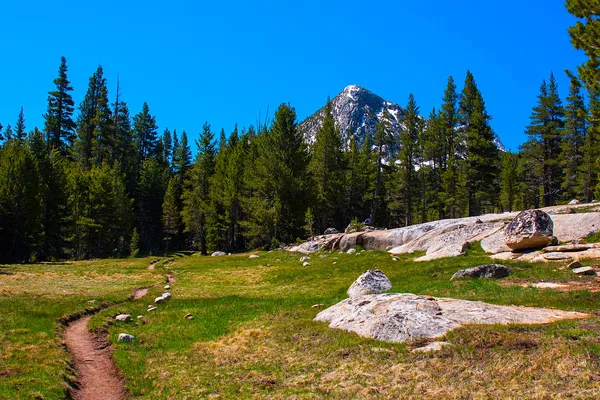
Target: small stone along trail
99 378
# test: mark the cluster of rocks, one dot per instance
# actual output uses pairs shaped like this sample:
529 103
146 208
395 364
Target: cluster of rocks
127 338
532 236
507 236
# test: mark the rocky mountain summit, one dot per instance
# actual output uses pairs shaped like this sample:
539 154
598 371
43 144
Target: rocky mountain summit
357 110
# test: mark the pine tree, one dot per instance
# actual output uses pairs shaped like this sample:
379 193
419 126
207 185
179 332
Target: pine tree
510 182
54 193
20 205
590 167
277 207
573 140
356 184
59 126
93 123
431 174
482 152
20 128
196 200
546 129
144 132
452 178
405 183
585 35
167 140
182 158
327 167
382 141
150 192
8 133
171 211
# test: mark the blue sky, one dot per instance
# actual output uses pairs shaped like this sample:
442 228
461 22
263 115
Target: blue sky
228 62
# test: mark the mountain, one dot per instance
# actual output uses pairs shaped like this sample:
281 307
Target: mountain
358 110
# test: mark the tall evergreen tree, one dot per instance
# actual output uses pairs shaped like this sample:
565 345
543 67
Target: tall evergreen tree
93 123
20 128
382 141
277 208
145 133
545 130
405 183
452 179
196 201
573 140
510 182
327 167
59 126
433 149
171 213
54 194
150 192
482 153
20 211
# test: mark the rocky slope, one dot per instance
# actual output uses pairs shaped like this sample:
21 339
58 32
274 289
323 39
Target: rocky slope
451 237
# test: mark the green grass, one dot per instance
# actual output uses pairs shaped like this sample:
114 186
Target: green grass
253 333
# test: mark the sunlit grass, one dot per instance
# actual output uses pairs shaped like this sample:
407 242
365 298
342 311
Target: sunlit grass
253 333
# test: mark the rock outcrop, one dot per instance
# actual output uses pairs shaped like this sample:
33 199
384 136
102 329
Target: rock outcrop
486 271
402 317
529 230
370 282
451 237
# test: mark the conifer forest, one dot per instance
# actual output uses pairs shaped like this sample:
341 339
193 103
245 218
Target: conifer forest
101 180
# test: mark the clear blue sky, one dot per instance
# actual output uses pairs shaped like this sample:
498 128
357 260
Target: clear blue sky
226 62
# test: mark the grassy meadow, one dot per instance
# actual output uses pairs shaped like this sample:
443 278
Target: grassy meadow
252 334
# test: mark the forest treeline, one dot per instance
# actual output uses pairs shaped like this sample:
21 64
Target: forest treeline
100 182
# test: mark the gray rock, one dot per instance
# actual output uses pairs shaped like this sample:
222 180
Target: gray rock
331 231
402 317
484 272
305 258
370 282
218 254
159 299
574 202
431 347
152 309
530 229
166 295
555 256
568 247
126 338
351 251
253 256
584 271
306 264
123 317
574 264
167 287
548 285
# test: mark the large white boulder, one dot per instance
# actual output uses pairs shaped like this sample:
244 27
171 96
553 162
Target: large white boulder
370 282
403 317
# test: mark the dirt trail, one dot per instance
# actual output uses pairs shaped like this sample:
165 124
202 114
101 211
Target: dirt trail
99 378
